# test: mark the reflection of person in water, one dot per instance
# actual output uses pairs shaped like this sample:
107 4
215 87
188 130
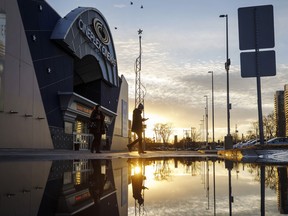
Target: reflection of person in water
137 187
97 181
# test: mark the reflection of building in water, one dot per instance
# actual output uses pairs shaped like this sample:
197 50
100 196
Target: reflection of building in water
22 186
81 171
2 34
282 190
92 182
2 56
85 187
56 70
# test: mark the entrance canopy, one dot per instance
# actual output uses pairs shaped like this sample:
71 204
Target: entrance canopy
84 31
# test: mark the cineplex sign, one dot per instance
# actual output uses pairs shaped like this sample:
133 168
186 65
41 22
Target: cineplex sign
101 41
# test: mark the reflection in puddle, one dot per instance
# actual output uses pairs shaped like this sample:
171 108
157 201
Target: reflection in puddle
142 186
84 189
79 187
198 186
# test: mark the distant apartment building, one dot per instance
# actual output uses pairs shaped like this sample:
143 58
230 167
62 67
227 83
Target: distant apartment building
286 106
280 113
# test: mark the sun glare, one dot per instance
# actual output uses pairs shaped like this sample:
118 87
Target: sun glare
153 119
136 170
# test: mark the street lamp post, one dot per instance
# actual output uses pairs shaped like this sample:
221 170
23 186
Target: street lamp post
206 119
228 138
213 137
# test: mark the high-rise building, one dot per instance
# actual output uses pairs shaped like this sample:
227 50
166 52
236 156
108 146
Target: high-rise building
286 107
279 114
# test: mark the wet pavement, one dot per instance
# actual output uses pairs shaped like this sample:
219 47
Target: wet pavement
52 154
245 155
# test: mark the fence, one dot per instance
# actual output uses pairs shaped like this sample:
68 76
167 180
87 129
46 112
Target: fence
84 140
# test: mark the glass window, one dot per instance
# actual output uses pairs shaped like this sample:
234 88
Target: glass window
68 127
124 115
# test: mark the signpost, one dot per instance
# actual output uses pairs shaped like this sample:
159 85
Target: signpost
256 31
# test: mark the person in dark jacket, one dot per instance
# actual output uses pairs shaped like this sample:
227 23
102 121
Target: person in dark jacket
97 128
137 127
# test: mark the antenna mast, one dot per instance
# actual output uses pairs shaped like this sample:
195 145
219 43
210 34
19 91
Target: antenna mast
139 87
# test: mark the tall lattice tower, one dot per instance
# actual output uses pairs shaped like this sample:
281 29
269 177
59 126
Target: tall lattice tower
139 87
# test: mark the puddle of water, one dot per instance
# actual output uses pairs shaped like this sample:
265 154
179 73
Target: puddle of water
173 186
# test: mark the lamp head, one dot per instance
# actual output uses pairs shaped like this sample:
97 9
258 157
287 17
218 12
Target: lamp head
222 15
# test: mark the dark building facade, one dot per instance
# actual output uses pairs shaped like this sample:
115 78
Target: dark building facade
279 114
286 107
53 71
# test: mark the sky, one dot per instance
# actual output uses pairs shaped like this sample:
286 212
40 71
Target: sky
181 41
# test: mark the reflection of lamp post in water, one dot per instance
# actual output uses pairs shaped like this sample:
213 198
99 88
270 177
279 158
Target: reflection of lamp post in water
229 166
262 173
207 183
214 187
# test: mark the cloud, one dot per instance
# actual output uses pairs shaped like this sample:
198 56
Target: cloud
179 52
119 5
179 85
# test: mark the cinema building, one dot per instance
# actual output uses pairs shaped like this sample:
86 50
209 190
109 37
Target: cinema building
53 71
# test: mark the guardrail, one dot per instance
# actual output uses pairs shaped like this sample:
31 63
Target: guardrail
84 140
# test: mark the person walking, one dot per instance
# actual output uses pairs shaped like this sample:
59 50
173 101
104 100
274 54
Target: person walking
97 128
137 127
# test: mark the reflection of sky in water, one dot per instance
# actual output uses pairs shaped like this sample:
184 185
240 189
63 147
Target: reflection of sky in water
184 192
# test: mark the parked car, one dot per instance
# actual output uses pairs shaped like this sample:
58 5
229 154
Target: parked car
253 142
275 141
235 146
241 144
218 147
278 141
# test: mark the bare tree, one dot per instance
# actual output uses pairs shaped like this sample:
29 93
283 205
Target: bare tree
250 135
235 136
163 131
255 127
195 135
269 125
156 130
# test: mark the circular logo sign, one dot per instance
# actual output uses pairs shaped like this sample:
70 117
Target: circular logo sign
101 31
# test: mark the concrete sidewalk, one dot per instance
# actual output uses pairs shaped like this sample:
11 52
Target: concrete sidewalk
56 154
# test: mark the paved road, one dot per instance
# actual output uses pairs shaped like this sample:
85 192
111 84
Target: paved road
49 154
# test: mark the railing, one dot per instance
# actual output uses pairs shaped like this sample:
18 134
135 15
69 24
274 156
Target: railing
81 166
81 171
84 140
